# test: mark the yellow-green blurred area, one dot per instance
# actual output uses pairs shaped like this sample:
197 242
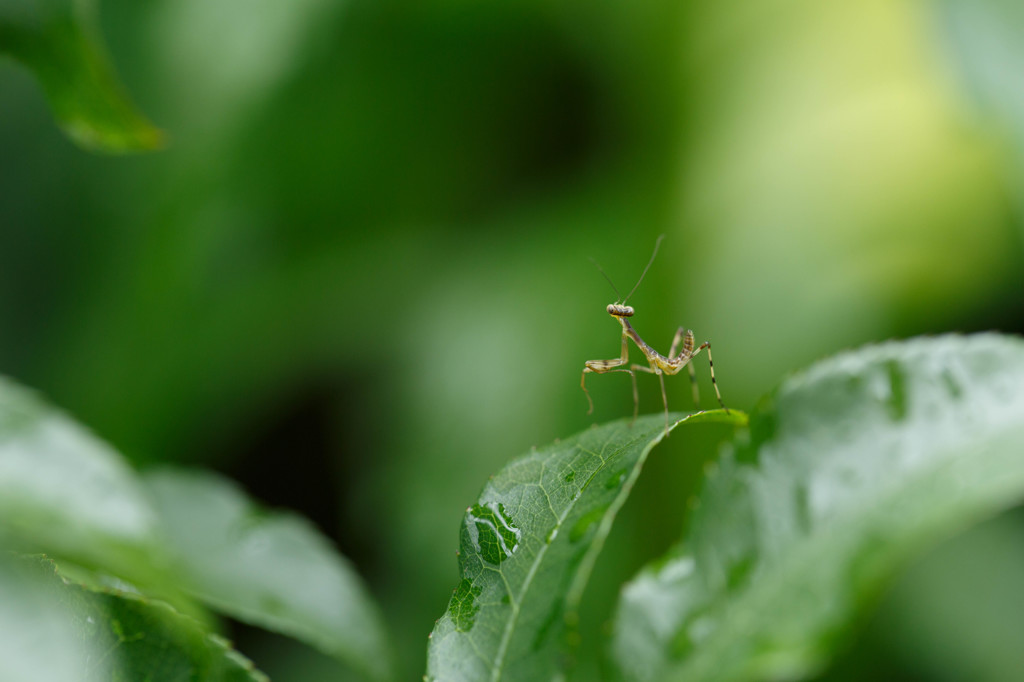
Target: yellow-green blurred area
356 279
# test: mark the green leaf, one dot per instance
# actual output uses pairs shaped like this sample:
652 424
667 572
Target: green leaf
527 549
116 636
38 638
271 569
64 492
57 41
850 469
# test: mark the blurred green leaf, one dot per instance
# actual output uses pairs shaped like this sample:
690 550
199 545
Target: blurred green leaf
65 492
851 468
955 614
39 641
271 569
62 491
58 42
527 549
125 636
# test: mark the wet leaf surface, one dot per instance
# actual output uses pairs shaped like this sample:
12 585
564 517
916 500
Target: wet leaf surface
850 469
527 549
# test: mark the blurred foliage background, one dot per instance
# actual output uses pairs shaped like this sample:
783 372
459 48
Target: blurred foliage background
356 279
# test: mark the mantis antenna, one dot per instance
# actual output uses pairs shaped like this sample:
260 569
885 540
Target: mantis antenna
618 296
644 273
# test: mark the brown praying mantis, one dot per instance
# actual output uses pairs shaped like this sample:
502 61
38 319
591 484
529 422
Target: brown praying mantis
657 363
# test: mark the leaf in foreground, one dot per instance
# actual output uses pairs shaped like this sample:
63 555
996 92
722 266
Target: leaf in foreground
851 468
271 569
38 638
105 634
57 41
527 549
66 493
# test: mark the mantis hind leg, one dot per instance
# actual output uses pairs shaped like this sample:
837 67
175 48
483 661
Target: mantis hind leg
711 367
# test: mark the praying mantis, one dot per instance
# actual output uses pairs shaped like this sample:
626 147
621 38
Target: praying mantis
656 362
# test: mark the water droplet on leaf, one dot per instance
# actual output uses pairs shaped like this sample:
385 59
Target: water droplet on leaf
494 534
463 607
